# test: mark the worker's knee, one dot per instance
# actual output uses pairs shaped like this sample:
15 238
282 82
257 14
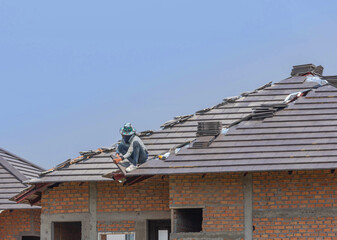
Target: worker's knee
122 148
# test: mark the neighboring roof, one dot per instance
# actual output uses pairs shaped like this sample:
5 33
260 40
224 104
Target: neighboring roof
93 164
300 137
13 172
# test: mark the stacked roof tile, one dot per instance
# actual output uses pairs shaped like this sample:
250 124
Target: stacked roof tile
13 172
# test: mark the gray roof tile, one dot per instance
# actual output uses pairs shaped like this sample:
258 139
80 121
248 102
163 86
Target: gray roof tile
13 171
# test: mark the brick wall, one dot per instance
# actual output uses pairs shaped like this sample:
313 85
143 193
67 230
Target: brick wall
72 197
220 194
278 201
120 226
15 223
295 205
149 195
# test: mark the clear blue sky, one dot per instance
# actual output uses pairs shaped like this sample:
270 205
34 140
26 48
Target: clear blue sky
73 72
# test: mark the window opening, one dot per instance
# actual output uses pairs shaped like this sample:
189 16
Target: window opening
188 220
67 230
30 238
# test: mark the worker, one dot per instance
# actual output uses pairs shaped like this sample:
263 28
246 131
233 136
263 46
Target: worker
131 150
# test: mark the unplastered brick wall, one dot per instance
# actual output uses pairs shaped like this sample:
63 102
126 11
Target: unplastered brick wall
21 222
149 195
119 226
72 197
220 196
295 205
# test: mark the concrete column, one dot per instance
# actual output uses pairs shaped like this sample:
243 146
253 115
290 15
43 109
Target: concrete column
141 230
46 229
93 235
248 205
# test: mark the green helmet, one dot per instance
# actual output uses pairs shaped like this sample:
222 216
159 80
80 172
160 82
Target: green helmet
127 130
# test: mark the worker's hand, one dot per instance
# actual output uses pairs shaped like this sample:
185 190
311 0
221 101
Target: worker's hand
117 159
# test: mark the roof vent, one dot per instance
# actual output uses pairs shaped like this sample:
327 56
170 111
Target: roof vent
300 70
209 128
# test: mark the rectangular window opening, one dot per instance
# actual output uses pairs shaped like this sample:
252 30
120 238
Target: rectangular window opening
188 220
67 231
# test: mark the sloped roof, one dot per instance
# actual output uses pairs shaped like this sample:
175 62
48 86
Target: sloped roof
13 172
176 132
301 136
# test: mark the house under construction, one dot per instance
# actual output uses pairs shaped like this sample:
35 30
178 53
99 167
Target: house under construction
256 166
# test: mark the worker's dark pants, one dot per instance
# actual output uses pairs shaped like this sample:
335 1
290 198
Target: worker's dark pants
138 156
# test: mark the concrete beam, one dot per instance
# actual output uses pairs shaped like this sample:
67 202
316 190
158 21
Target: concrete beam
296 212
133 216
207 235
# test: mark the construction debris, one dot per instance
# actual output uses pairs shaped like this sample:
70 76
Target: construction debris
294 96
316 79
164 156
331 79
173 150
224 130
